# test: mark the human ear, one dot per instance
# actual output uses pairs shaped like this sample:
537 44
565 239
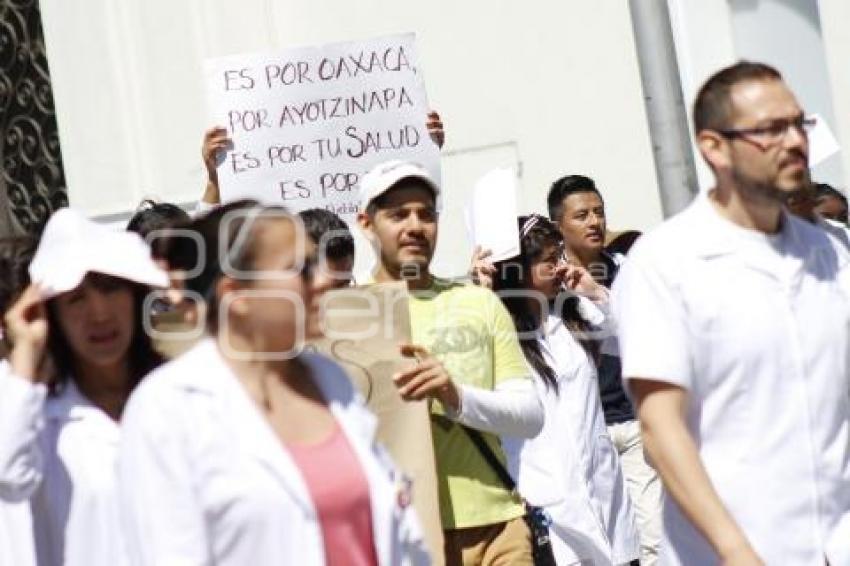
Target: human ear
367 225
228 289
714 149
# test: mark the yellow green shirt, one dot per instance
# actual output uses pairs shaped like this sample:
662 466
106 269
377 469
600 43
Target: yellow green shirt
469 330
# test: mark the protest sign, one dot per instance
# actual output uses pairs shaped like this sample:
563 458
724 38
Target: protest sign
363 328
307 122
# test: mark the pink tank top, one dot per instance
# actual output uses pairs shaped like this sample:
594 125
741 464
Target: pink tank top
340 494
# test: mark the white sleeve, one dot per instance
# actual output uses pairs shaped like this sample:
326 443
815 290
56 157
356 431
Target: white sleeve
652 324
512 409
162 521
597 313
21 422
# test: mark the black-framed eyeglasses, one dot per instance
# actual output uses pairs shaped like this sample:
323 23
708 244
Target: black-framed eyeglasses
774 131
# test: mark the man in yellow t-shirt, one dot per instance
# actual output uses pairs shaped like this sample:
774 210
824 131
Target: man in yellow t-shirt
470 363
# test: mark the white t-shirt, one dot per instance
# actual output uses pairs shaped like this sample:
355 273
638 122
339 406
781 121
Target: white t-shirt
756 328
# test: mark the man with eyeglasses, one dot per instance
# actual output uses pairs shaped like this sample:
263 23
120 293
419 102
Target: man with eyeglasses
734 320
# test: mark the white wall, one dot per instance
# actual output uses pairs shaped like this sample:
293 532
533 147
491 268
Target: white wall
711 34
787 35
703 35
552 85
835 17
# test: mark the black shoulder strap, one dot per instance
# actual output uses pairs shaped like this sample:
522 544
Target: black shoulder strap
488 455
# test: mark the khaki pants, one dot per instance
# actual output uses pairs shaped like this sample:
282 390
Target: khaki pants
644 487
502 544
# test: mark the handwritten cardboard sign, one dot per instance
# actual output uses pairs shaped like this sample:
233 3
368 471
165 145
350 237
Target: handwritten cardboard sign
307 122
364 327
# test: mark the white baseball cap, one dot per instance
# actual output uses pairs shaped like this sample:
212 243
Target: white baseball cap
72 246
384 176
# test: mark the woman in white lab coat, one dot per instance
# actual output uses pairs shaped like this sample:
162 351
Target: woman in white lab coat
571 468
58 437
16 544
246 450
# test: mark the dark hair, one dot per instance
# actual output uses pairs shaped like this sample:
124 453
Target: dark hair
515 274
183 253
15 256
219 240
623 242
824 190
713 105
564 187
143 357
328 230
151 215
380 201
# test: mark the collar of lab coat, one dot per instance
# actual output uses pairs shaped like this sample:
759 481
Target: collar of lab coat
220 380
546 330
712 236
550 325
588 310
70 405
262 443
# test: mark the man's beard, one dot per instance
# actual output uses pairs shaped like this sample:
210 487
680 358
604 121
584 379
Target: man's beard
760 191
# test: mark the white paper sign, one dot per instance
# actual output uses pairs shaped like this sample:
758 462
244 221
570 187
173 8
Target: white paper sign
492 214
306 123
822 142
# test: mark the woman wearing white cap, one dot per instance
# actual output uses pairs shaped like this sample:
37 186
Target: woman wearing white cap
245 450
59 433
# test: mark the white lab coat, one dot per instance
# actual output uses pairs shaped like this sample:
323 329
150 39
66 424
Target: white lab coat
756 329
59 452
204 479
571 468
16 544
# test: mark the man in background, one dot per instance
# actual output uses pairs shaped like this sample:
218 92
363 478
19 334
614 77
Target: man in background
830 203
334 249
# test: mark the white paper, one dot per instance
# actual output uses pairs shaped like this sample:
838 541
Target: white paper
306 123
822 142
492 214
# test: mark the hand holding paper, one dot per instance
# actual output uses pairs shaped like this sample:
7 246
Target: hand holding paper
481 269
